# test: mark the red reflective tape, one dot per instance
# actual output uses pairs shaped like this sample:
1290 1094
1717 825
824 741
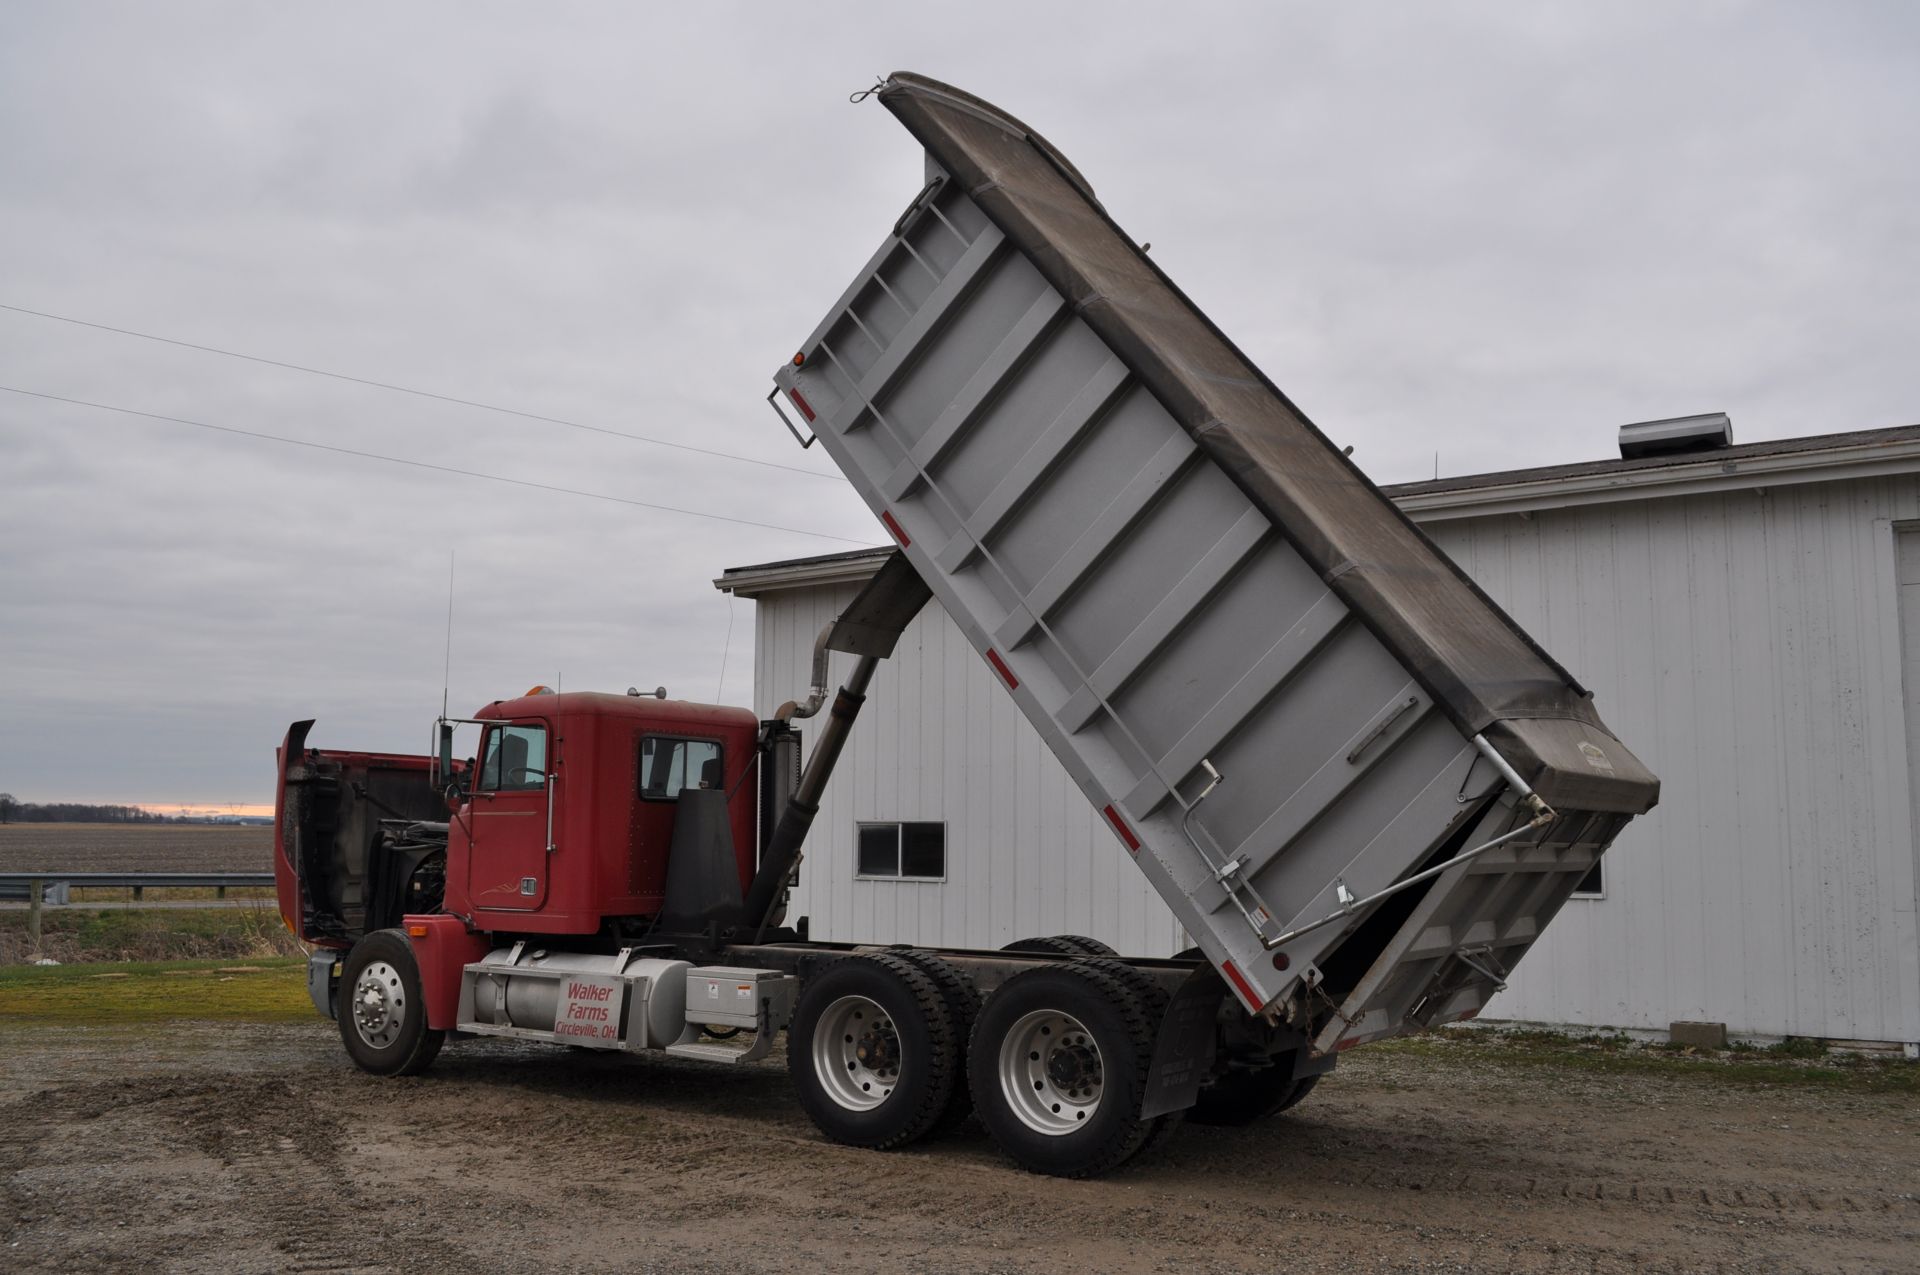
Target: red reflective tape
1343 1046
1242 986
800 401
886 516
1119 826
1000 667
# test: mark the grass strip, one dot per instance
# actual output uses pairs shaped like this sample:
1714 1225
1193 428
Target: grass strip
75 934
263 990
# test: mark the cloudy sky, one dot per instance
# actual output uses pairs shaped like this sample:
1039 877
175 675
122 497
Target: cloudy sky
1494 231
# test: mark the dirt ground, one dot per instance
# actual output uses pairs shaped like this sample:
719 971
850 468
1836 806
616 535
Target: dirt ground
122 847
257 1148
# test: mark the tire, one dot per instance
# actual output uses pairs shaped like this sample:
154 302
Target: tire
1062 945
1241 1098
1082 1040
963 1006
1153 999
1301 1088
382 1010
872 1051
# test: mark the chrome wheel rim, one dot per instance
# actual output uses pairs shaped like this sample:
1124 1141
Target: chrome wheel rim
379 1004
856 1053
1051 1072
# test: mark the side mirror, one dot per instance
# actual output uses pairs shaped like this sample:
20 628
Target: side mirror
443 776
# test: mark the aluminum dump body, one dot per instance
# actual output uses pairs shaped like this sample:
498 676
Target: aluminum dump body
1176 575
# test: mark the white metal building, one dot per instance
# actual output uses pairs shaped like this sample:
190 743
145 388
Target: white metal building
1749 622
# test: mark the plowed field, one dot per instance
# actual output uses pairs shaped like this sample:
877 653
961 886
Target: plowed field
121 847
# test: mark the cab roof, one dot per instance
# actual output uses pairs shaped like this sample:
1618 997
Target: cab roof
647 708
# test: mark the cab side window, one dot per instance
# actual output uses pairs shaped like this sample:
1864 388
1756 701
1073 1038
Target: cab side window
668 765
515 759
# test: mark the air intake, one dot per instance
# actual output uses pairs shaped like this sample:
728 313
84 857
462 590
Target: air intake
1676 436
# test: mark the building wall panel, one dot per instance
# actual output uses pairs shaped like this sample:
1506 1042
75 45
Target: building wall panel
1739 642
938 739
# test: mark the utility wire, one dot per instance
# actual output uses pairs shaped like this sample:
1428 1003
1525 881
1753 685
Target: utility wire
404 389
421 464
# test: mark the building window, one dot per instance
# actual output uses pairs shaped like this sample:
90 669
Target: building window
901 851
1593 885
668 765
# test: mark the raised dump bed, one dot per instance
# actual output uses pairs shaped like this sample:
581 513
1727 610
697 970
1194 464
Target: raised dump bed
1357 783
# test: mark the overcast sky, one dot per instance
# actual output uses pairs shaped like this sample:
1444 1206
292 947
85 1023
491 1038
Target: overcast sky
1497 231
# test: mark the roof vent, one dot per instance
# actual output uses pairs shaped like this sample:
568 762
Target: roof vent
1676 436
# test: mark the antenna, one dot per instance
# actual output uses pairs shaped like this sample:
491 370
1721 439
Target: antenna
446 672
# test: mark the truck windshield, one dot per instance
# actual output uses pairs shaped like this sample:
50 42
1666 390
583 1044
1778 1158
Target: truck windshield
668 765
516 759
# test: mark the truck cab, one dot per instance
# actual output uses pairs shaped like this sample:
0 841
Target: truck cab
561 824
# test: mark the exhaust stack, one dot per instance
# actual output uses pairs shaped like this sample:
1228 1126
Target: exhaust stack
869 628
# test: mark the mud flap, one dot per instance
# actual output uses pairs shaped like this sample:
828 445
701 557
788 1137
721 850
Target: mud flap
1183 1053
323 977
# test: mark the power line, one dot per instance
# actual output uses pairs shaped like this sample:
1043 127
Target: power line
404 389
421 464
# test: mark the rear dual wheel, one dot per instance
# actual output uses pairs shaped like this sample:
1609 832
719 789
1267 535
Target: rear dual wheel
963 1007
1062 945
872 1051
1058 1063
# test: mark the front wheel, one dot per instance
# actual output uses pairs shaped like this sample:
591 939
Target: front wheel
382 1012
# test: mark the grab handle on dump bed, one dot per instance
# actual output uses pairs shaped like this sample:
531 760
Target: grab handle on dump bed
1543 814
773 401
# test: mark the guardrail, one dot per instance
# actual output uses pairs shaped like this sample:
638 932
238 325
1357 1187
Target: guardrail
54 886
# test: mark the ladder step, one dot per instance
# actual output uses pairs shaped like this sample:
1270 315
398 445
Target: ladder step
971 267
709 1053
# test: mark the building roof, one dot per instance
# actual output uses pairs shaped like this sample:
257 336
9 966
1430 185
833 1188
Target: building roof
1866 453
1776 462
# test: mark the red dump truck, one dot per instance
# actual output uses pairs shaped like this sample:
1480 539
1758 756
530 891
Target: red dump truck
1358 785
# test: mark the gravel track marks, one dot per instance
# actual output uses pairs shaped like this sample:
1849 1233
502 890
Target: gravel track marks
190 1148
